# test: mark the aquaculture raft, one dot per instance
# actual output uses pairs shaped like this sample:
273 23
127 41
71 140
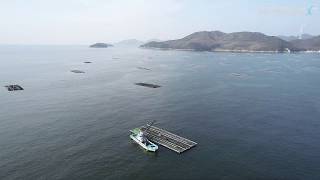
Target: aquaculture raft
14 87
148 85
168 139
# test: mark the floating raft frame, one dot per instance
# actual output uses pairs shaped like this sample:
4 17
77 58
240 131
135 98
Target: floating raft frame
14 87
168 139
77 71
143 68
148 85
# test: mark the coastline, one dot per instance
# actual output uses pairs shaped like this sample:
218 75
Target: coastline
233 51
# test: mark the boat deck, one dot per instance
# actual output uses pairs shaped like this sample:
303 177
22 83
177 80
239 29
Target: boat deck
168 139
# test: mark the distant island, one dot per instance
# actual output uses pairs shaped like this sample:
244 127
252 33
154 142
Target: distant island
129 43
236 42
133 42
100 45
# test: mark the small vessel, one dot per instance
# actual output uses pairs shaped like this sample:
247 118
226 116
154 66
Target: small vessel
138 136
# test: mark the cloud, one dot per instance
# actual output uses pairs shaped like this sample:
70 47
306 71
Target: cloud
282 11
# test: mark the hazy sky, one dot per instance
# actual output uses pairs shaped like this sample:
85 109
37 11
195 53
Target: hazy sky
88 21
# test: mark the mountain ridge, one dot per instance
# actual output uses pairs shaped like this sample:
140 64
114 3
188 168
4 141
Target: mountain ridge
237 42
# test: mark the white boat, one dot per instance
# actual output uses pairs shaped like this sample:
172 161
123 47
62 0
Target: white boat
138 136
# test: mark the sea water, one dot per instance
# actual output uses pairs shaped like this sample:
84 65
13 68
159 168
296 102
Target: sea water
254 116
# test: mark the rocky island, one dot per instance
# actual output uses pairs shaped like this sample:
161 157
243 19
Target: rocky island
100 45
233 42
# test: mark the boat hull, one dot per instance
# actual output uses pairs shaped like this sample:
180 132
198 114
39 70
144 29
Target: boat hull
148 148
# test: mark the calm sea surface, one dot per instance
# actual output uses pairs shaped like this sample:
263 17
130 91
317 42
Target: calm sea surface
254 116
